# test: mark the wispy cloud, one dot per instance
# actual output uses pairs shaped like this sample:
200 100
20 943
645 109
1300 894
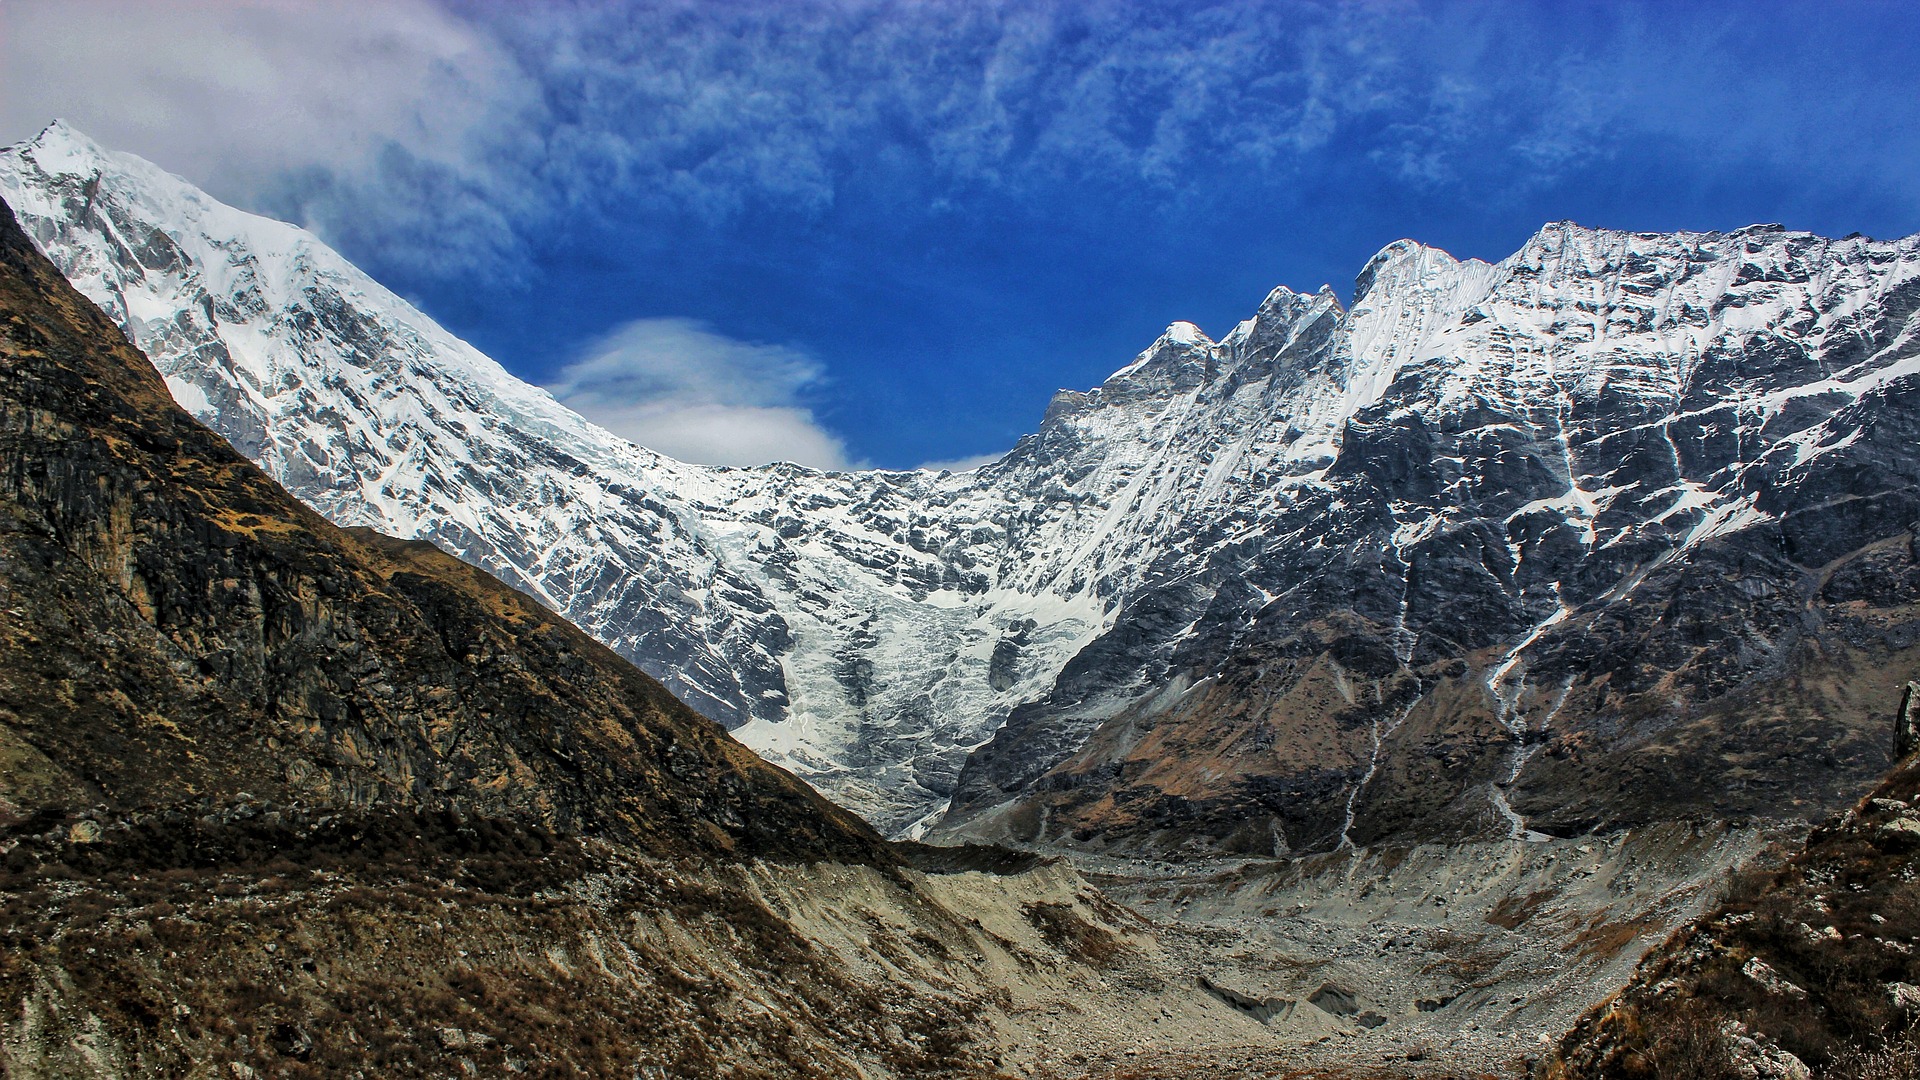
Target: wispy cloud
445 137
384 122
723 107
676 386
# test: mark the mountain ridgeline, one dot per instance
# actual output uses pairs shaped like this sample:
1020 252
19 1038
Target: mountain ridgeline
1618 529
179 627
282 799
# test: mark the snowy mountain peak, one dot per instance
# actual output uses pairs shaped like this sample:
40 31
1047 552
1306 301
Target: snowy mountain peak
1181 348
63 149
879 632
1400 265
65 158
1185 333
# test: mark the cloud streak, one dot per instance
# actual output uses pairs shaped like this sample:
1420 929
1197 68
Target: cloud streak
389 126
442 137
676 386
446 138
719 108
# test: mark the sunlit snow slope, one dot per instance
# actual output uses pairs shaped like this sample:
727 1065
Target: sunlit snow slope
1464 460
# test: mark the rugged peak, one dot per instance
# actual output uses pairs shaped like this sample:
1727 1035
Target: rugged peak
1280 297
1179 359
1401 264
58 130
60 149
1185 333
1178 339
1558 235
1182 344
1605 248
1290 304
1280 317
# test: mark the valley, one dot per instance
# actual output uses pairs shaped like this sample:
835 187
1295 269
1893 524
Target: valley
1550 523
1361 693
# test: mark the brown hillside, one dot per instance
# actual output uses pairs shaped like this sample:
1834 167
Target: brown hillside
174 626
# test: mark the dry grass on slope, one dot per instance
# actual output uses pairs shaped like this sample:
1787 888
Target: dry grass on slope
1808 966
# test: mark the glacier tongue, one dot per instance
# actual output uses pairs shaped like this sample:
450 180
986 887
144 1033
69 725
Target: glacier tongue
866 630
874 631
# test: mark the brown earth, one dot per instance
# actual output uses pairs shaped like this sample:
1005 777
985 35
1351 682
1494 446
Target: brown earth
1810 965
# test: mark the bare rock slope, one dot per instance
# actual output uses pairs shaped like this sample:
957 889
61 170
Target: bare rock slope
1806 969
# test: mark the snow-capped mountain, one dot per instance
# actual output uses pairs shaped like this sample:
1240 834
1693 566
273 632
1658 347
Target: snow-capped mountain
1618 528
1383 555
866 630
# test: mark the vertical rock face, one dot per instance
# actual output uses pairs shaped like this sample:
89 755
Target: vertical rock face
1906 725
1594 533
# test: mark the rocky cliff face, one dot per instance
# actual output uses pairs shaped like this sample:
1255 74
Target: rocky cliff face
1493 549
1628 533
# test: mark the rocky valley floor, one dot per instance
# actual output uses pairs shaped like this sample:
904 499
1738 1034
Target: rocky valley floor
1458 960
272 943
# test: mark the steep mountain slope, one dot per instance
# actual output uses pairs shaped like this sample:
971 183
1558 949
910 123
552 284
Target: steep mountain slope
846 621
1634 539
228 728
277 799
179 625
1496 548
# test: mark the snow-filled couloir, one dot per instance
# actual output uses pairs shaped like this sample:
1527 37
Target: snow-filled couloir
1579 415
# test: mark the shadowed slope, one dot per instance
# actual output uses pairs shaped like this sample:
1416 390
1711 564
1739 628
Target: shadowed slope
178 627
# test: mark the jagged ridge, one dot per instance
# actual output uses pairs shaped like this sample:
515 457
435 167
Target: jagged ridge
1467 466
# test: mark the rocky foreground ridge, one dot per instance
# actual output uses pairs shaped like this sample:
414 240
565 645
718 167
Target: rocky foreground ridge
1615 530
277 799
1800 970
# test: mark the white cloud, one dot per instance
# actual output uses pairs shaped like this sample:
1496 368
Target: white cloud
676 386
355 118
446 136
716 107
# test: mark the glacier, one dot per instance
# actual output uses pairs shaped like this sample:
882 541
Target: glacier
1588 410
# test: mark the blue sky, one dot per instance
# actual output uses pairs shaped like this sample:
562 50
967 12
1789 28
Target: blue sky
884 233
